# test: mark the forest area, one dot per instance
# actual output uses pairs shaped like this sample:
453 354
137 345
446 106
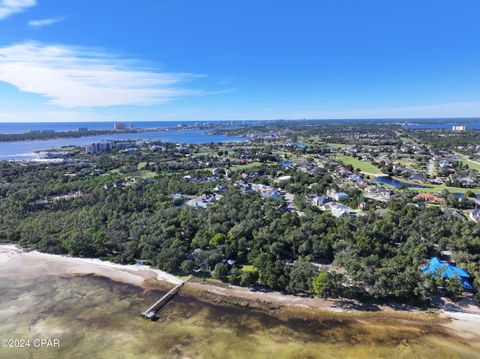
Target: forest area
241 239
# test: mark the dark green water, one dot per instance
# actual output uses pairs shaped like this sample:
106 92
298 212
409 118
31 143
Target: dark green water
96 318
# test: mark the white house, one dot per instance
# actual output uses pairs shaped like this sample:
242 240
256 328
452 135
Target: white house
475 215
336 209
337 196
204 201
379 193
320 200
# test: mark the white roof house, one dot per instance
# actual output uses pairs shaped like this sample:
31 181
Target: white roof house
337 196
203 201
336 209
319 200
475 215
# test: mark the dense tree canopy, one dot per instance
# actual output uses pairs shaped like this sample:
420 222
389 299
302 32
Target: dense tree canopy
379 256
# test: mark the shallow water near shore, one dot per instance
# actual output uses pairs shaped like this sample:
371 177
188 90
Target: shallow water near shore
95 317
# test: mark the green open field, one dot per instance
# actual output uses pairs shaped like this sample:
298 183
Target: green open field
406 163
441 187
474 165
143 174
406 140
359 164
339 145
200 154
317 140
250 165
146 174
471 164
249 268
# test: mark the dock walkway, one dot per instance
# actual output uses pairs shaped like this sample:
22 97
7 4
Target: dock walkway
151 312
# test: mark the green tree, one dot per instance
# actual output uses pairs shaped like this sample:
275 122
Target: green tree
453 287
301 276
217 239
476 283
187 266
248 278
220 271
321 283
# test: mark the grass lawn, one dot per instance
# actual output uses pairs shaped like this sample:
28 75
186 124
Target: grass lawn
361 165
405 162
139 174
141 166
406 139
250 165
282 153
146 174
249 268
339 145
225 148
200 154
471 164
474 165
439 188
115 171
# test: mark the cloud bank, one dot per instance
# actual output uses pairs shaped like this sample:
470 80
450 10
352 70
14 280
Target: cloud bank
79 77
10 7
45 22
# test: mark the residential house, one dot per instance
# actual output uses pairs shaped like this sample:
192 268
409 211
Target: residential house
467 181
336 209
475 215
361 184
429 198
378 193
337 196
355 178
203 201
320 200
417 177
284 178
179 196
447 270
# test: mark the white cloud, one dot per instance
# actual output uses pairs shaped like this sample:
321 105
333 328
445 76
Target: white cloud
54 116
79 77
45 22
92 115
10 7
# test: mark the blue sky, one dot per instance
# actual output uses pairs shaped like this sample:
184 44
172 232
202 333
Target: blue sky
91 60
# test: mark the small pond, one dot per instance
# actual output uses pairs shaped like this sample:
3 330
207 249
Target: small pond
395 183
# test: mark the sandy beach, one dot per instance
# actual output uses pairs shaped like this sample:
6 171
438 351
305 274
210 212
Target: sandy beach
52 264
463 324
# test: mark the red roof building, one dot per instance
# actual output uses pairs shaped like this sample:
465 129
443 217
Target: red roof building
429 198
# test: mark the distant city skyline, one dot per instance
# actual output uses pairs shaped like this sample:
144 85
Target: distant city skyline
218 60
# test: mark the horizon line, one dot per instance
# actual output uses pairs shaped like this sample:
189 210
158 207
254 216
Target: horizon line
263 120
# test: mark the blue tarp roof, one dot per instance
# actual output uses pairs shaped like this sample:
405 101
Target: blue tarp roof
275 195
447 270
286 164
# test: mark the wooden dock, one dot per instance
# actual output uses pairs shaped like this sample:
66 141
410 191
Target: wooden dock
151 312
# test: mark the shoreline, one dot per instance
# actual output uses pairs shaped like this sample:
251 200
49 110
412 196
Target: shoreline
130 274
282 306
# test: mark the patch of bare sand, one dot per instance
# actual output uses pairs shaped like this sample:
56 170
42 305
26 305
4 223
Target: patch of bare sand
466 325
28 263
